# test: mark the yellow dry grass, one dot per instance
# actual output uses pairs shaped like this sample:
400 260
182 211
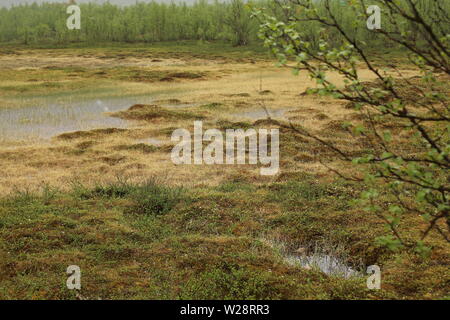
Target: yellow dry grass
235 86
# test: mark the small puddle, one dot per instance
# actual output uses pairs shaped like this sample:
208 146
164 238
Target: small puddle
329 259
50 117
328 264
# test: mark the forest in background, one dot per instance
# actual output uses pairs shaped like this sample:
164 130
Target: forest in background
142 22
152 22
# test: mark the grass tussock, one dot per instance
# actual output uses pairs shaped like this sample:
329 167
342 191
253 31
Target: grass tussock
152 112
90 134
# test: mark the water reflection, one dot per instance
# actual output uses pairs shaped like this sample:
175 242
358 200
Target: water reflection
50 117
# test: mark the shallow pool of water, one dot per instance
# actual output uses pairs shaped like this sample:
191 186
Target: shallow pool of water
331 261
50 117
328 264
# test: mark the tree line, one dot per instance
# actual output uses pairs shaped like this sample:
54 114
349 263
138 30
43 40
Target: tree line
203 20
142 22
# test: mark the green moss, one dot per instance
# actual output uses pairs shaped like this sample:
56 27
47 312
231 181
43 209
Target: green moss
154 241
